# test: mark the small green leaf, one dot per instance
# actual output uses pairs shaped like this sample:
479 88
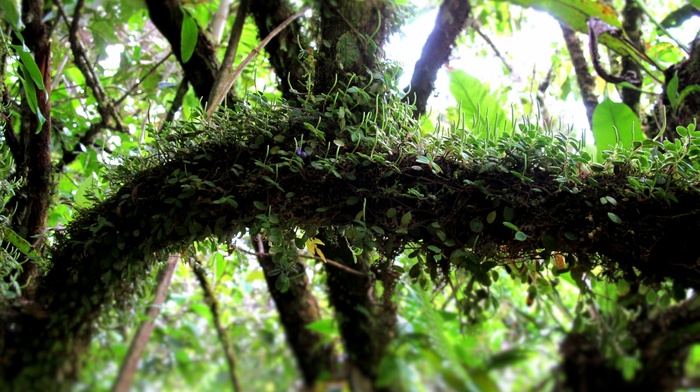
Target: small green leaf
651 297
508 213
406 219
476 225
614 218
434 249
391 212
260 205
672 91
491 217
282 283
352 200
520 236
623 287
510 226
188 35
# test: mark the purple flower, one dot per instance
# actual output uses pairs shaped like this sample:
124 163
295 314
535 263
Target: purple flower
301 152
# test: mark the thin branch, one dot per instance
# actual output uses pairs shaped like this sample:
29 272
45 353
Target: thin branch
143 334
210 300
229 82
326 260
104 107
142 79
177 102
540 94
643 8
286 51
59 72
506 63
230 56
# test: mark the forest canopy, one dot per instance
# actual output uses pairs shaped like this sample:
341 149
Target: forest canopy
247 195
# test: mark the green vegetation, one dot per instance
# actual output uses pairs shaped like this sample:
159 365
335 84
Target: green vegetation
324 230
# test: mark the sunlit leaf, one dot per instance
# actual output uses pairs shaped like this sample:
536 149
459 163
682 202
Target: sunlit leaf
476 102
312 246
614 124
10 11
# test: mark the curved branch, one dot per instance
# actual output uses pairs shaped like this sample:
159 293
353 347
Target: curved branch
217 187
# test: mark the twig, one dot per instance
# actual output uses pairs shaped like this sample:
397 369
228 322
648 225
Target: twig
661 27
104 107
231 49
141 79
477 27
210 300
138 344
177 102
326 260
226 86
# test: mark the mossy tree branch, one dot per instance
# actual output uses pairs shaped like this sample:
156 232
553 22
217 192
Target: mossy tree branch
218 188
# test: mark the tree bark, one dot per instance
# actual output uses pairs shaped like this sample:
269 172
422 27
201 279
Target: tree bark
632 25
365 329
138 344
298 308
451 20
32 209
284 51
202 67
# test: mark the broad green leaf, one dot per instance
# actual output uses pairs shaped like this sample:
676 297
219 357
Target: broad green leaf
324 326
10 11
27 60
15 239
30 93
615 124
575 13
476 102
188 37
672 91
